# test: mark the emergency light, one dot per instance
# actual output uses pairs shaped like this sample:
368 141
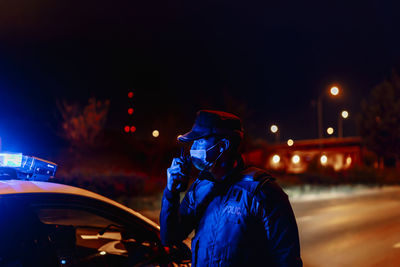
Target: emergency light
18 166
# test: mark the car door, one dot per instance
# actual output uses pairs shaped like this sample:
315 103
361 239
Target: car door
49 229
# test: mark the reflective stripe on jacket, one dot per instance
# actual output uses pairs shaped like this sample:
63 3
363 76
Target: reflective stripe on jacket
246 220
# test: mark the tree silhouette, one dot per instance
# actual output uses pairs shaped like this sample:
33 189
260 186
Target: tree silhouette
379 121
82 124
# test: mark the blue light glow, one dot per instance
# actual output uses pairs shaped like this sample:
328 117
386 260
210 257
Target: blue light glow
63 261
10 160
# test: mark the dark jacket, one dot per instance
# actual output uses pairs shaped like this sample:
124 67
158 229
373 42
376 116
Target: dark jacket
246 220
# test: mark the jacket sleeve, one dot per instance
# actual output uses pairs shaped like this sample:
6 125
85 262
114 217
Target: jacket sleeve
280 225
176 219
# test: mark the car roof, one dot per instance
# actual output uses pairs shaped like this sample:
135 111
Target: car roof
23 187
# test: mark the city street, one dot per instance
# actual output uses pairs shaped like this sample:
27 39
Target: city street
362 230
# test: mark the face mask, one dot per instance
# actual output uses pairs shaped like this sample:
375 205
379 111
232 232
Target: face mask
199 158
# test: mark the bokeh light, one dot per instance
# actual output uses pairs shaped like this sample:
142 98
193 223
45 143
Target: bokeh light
156 133
276 159
324 159
290 142
334 90
296 159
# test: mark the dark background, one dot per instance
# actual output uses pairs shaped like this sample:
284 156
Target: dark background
268 61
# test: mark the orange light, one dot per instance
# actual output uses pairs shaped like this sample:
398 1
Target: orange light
290 142
130 111
133 129
156 133
323 159
296 159
126 129
334 91
276 159
130 94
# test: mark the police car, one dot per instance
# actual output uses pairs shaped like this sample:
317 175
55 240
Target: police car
49 224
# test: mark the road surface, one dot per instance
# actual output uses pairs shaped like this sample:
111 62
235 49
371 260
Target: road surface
355 230
360 228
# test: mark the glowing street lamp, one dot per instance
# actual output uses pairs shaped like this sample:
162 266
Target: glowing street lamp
290 142
333 91
330 131
156 133
275 130
343 115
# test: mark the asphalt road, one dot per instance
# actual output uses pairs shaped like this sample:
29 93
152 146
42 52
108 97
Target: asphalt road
360 228
355 230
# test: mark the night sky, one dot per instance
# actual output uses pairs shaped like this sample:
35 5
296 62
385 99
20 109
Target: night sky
270 59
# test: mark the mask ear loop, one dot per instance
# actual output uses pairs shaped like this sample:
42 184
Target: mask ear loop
215 161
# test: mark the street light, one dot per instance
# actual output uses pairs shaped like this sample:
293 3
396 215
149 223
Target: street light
334 91
156 133
330 130
343 115
290 142
275 130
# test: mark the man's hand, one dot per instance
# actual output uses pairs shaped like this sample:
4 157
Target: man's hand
178 175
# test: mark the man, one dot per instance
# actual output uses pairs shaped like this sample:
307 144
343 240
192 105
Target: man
240 215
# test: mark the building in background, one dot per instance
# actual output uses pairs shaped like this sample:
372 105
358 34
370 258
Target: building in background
299 156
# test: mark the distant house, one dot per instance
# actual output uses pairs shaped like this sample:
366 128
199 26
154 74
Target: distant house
337 153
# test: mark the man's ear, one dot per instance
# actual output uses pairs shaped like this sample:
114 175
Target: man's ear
225 144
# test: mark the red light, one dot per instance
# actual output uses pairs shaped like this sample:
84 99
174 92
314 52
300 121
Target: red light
133 129
126 129
130 94
130 111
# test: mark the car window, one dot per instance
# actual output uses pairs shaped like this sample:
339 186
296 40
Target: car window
70 216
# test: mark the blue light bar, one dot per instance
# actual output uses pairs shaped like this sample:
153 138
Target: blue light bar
18 166
10 160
